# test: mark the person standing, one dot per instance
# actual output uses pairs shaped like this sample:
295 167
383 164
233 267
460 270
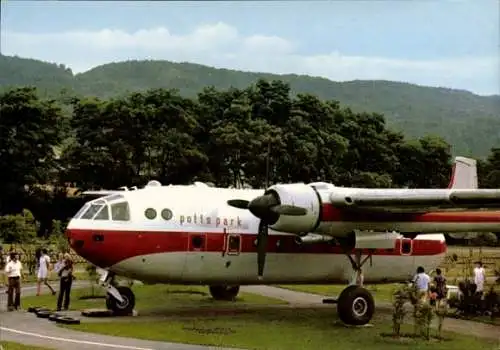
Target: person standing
59 264
43 273
13 270
440 284
422 281
66 280
479 277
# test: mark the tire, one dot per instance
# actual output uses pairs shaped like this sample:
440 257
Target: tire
55 316
355 306
67 320
227 293
121 309
43 314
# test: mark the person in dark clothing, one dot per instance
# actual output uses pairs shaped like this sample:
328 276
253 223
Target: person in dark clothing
440 285
66 280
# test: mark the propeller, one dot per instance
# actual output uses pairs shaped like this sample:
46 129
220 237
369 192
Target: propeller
268 209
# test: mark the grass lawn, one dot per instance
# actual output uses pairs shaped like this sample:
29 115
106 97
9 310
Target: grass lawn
381 292
7 345
277 328
53 278
151 297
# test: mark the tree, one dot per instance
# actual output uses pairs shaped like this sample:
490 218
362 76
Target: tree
30 129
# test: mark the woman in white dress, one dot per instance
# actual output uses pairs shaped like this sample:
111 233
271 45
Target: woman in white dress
43 273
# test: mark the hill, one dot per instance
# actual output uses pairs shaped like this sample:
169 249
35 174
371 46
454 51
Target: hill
469 122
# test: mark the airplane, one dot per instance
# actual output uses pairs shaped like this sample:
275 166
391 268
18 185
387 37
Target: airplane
298 233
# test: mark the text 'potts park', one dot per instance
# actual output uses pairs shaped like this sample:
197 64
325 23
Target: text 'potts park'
200 219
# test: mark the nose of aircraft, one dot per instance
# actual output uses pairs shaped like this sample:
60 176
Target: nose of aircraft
88 244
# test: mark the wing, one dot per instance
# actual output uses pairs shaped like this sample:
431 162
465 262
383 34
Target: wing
414 200
101 193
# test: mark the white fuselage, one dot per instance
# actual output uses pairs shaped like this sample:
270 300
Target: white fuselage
202 240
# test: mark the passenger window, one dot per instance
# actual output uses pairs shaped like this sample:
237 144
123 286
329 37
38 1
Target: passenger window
150 213
166 214
120 212
103 214
89 214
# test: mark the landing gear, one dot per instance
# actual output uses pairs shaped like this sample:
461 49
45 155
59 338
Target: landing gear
119 299
355 304
227 293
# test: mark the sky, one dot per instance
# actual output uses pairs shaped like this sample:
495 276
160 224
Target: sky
453 44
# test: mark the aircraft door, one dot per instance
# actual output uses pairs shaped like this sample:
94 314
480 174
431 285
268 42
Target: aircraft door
197 242
233 244
408 259
196 254
406 247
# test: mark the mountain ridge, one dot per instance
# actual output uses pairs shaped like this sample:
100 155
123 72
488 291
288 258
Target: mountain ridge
468 121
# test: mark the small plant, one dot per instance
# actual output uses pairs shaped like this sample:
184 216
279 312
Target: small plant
402 295
441 312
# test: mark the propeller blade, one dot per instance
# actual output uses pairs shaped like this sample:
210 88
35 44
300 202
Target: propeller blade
291 210
238 203
261 248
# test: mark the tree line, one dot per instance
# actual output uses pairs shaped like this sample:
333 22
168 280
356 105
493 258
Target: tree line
227 137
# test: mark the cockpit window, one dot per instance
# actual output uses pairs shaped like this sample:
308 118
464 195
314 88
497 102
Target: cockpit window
113 197
120 211
89 214
103 214
80 212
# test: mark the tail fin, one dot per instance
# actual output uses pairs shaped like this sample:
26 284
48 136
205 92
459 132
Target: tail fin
464 174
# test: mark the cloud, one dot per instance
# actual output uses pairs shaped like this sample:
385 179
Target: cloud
222 46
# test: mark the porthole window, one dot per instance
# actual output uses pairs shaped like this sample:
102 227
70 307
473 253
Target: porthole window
150 213
166 214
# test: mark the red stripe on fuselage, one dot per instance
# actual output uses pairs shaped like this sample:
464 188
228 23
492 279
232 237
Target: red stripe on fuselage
331 213
114 246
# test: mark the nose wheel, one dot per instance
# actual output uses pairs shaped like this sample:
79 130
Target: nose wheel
119 299
123 307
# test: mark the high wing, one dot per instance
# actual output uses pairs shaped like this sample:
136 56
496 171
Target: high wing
101 193
414 200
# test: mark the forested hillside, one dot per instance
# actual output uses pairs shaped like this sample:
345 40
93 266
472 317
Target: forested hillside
470 123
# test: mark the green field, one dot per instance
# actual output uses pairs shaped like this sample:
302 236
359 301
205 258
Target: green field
188 314
152 298
7 345
278 328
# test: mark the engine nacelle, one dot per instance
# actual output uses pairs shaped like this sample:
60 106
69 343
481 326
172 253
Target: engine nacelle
376 240
300 195
312 238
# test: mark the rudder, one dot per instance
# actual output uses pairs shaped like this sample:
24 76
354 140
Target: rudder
464 174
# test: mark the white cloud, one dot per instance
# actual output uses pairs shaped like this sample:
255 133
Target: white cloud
221 45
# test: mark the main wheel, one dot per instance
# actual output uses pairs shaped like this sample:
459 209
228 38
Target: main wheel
121 308
355 306
227 293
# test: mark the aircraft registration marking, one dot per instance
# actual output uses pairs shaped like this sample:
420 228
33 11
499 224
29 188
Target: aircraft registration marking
207 220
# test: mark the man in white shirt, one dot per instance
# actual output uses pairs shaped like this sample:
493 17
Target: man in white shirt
13 270
422 281
479 277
